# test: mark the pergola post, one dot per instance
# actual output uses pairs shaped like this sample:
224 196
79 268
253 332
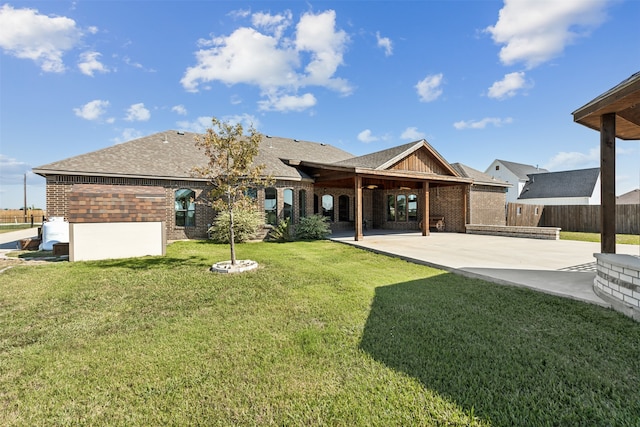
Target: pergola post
358 184
425 208
608 183
465 205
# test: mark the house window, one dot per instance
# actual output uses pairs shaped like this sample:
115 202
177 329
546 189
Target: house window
537 211
185 207
519 211
343 208
287 211
251 193
497 167
271 205
327 206
412 210
391 207
302 203
316 201
401 208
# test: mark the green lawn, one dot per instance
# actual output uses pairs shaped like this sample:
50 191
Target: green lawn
320 334
5 228
625 239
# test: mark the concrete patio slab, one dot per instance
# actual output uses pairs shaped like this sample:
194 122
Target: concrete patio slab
559 267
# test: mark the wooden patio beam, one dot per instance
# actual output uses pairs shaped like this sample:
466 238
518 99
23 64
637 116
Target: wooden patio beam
425 208
608 183
358 184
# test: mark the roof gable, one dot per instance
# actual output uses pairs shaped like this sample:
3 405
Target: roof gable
574 183
418 156
521 170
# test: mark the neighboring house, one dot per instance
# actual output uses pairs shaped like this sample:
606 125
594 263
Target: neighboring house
150 179
630 198
575 187
513 173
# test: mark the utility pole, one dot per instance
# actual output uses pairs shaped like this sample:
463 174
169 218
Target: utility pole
25 198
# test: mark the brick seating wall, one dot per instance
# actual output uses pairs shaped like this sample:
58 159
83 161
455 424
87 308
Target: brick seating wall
545 233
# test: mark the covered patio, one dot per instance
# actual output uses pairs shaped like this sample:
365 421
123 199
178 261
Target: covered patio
615 114
393 189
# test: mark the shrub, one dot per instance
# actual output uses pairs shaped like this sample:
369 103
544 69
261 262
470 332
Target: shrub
313 227
246 223
282 232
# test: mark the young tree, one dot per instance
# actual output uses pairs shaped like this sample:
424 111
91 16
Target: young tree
230 168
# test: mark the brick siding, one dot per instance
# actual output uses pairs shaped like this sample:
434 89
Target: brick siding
618 282
487 205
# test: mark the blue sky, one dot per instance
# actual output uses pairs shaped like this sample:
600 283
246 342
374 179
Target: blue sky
479 80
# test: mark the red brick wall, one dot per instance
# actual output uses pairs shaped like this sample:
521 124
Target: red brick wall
448 201
92 203
487 205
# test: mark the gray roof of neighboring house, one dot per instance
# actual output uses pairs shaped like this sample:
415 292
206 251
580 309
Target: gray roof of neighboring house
477 176
521 170
630 198
574 183
172 155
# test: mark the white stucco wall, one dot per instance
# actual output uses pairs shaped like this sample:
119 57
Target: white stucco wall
95 241
506 175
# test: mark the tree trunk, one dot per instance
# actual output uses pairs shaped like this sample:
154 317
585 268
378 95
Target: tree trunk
232 236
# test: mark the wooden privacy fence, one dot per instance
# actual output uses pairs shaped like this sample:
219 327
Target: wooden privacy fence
585 218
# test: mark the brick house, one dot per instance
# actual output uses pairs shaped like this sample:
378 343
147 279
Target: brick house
150 179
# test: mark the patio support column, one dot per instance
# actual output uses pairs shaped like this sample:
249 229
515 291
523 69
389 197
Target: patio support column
425 208
608 183
358 235
465 203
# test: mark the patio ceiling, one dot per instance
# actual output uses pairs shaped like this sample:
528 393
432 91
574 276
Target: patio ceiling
623 100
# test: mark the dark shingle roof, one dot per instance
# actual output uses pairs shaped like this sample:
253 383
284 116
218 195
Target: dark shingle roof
574 183
378 159
172 155
477 176
521 170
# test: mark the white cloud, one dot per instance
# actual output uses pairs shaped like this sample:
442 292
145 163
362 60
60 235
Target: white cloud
508 86
429 88
246 120
574 160
27 34
274 24
366 136
412 134
287 102
481 124
202 123
128 134
12 170
179 109
92 110
533 31
137 113
198 125
273 62
89 63
385 43
239 13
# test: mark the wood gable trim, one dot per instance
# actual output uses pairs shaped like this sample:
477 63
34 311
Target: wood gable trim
421 158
